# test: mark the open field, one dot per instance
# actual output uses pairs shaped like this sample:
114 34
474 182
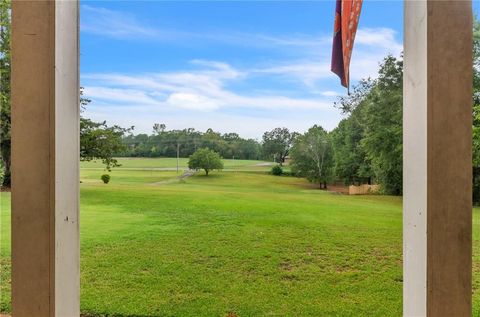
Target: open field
232 244
171 163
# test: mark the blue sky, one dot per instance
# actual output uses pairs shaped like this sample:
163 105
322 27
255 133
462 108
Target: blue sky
243 67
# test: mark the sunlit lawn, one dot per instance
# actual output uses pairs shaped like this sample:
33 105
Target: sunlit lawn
238 243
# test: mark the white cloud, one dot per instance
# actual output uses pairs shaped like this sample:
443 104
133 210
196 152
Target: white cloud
329 93
116 24
379 38
203 90
192 101
120 95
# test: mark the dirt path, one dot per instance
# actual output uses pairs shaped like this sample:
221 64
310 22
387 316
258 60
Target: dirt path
265 164
184 176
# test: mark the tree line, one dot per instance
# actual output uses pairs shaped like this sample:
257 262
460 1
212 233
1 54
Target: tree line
170 143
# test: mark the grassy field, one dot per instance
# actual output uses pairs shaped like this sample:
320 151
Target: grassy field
236 243
171 163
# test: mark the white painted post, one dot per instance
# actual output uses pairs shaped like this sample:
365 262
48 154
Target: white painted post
437 158
45 159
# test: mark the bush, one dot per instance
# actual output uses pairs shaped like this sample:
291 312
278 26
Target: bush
277 170
105 178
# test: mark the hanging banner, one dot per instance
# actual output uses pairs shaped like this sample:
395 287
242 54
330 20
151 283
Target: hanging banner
347 15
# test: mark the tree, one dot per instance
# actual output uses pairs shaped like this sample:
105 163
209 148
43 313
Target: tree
368 143
159 128
5 108
383 134
99 141
205 159
348 103
312 156
351 162
277 143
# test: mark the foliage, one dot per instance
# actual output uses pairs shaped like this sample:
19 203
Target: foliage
277 170
312 156
105 178
351 164
205 159
165 143
348 103
277 144
383 136
368 143
5 91
100 141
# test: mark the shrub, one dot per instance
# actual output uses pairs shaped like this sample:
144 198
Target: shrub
105 178
277 170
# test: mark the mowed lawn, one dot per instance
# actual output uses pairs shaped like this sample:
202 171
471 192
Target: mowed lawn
236 243
167 163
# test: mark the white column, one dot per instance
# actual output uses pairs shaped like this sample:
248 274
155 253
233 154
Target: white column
437 168
45 158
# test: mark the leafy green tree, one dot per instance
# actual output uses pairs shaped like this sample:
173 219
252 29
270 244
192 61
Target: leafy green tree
312 156
368 143
205 159
349 103
383 136
351 162
5 72
214 141
99 141
277 144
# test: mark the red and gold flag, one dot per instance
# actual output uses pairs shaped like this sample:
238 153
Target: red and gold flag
347 15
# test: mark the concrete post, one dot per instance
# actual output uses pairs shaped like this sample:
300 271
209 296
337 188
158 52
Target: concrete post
437 158
45 155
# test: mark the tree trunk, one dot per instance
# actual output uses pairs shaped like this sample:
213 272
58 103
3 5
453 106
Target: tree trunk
206 172
6 160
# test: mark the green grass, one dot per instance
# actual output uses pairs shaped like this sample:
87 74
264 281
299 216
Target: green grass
171 163
239 243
